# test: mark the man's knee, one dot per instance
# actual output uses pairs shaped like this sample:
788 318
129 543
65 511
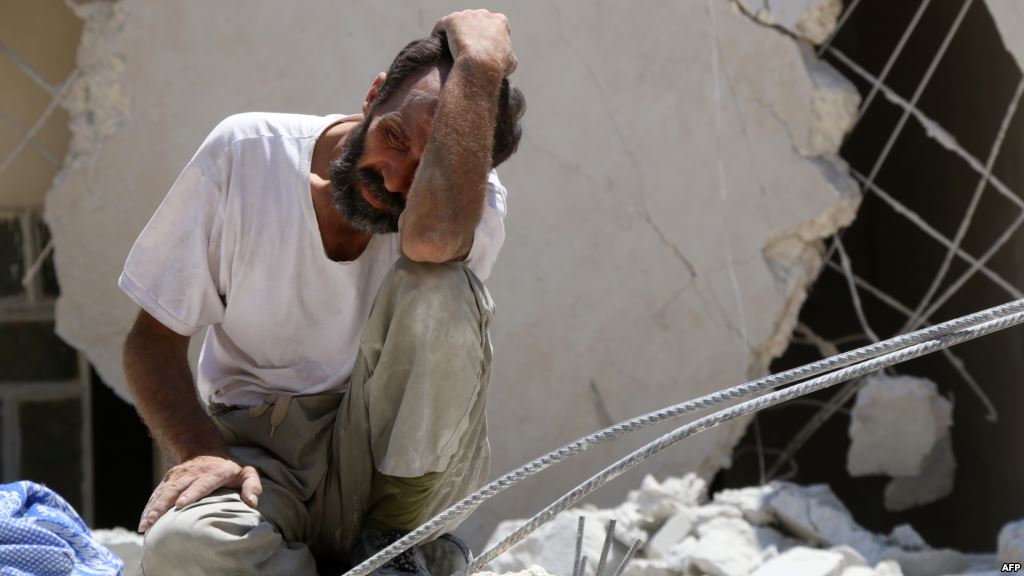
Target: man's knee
191 540
430 295
168 542
448 280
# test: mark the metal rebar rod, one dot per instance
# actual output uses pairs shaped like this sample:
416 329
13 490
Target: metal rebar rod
499 485
609 536
732 412
626 558
579 547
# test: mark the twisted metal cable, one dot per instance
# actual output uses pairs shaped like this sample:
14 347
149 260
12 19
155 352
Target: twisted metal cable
499 485
732 412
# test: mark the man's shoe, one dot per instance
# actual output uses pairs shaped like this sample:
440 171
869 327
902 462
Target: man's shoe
446 555
408 563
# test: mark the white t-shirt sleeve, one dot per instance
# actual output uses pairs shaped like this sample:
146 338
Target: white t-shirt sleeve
173 270
490 232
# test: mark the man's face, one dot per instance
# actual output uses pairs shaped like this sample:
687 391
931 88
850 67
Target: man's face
371 179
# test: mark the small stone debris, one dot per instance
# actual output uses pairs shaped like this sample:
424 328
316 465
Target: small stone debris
778 529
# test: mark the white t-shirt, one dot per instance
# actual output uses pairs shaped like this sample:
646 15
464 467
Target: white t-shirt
235 247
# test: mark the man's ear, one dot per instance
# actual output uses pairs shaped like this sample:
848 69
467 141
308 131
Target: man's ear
371 95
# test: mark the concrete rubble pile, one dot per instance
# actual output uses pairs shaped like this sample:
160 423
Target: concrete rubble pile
779 529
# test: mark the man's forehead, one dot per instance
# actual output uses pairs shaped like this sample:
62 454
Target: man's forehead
421 87
416 103
422 98
424 89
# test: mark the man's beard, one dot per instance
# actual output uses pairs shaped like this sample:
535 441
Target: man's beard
347 183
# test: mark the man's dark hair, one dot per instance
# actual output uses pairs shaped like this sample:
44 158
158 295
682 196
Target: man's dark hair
434 51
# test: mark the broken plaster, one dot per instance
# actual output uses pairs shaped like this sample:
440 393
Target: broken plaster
810 20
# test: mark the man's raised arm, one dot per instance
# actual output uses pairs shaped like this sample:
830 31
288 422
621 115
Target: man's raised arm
446 200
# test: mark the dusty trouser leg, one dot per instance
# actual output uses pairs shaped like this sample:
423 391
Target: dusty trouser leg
222 535
416 397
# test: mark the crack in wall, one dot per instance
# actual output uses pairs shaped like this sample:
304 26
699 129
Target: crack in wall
645 212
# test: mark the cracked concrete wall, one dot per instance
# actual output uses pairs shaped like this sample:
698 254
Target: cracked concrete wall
676 177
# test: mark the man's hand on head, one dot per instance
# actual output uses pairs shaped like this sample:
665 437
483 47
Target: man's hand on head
197 478
481 36
447 197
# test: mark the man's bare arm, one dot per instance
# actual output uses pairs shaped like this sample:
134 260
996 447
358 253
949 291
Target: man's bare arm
446 200
160 381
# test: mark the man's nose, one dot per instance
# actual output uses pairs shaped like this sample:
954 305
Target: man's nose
398 176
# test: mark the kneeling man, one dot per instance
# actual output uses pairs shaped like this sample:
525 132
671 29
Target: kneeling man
336 265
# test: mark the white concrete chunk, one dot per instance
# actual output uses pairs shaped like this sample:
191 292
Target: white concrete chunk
773 542
803 561
851 557
554 544
980 562
674 531
530 571
927 562
888 568
680 558
885 568
657 501
649 567
815 514
709 512
752 501
907 538
726 547
933 483
677 561
630 524
1011 543
895 423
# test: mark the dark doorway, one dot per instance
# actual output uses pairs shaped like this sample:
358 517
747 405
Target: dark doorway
122 459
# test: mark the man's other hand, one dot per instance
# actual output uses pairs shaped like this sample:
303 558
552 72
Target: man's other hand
482 36
197 478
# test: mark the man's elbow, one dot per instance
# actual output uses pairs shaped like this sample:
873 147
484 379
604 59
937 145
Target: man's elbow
434 250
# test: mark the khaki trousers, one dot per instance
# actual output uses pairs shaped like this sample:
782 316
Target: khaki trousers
415 404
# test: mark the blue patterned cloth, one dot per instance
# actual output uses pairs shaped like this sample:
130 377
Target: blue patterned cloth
42 535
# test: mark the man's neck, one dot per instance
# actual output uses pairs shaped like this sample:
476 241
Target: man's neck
341 241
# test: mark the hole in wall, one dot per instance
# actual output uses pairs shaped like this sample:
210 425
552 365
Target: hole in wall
968 96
